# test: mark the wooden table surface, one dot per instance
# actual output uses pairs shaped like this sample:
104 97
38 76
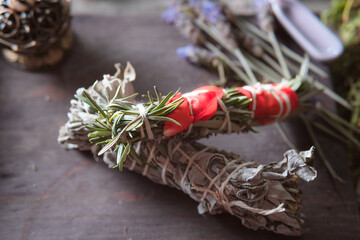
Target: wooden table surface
49 193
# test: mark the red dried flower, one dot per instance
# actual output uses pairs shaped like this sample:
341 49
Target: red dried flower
219 91
272 101
181 114
203 102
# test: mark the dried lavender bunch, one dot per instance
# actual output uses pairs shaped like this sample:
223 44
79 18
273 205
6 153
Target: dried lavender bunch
263 196
268 61
249 48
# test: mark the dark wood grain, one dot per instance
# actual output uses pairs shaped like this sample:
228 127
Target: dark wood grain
49 193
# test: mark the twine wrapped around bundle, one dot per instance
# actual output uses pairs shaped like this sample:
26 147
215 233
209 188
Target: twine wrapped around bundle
262 196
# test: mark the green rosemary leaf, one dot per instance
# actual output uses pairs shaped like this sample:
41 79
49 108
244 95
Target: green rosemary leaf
118 106
94 139
161 118
123 155
103 142
158 94
95 105
164 101
116 123
102 124
132 112
116 94
85 100
150 97
135 125
109 145
96 128
176 92
169 110
130 96
114 114
99 134
120 150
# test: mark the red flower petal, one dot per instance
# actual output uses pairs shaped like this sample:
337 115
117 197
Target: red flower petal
181 115
219 91
203 103
267 103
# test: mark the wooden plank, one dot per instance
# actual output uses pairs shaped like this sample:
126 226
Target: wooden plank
49 193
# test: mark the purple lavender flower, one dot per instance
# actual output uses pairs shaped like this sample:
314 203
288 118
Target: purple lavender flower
212 12
171 14
196 55
186 52
195 3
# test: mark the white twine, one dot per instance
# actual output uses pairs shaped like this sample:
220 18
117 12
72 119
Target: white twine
213 181
287 102
142 113
220 190
228 204
190 163
280 102
275 91
227 119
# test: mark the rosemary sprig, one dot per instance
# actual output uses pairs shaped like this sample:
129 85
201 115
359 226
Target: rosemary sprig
119 122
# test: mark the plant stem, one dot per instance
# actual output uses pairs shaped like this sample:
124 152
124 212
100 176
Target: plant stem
320 151
263 69
235 51
337 98
242 24
328 131
279 54
337 118
228 61
339 128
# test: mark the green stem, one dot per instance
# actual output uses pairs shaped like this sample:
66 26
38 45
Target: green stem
328 131
235 51
228 61
339 128
263 69
279 54
242 24
337 118
330 93
319 150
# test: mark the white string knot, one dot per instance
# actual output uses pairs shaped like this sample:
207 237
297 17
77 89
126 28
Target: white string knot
143 115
